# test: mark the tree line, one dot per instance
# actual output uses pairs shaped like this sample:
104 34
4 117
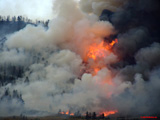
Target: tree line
22 19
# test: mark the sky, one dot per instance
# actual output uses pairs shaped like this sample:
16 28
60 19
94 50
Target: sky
33 9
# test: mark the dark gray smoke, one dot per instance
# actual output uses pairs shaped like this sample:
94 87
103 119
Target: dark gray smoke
138 49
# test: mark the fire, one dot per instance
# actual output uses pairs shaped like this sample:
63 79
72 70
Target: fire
114 42
97 52
66 113
107 113
95 59
72 114
96 70
62 113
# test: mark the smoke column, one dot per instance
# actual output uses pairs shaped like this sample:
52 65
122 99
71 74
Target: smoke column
87 61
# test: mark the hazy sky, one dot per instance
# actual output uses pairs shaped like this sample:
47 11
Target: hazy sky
33 9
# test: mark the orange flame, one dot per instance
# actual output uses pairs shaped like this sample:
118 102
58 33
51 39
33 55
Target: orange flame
72 114
62 113
98 52
114 42
107 113
67 113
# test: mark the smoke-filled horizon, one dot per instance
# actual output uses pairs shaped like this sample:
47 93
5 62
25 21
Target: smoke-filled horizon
32 9
97 56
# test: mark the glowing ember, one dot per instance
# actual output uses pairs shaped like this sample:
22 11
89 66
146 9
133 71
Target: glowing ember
107 113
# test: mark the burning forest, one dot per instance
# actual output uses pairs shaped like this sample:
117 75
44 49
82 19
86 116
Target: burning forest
100 56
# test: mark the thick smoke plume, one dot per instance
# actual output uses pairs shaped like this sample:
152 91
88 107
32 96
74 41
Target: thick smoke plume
58 75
